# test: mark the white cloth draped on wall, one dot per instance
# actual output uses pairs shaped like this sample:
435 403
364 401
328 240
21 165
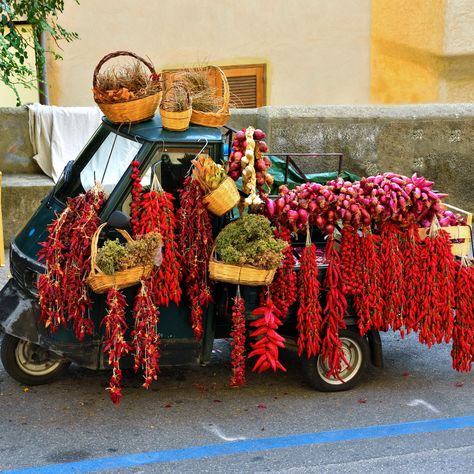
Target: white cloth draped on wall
58 134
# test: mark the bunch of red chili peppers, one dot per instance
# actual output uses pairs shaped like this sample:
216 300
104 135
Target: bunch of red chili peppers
268 340
309 316
153 211
62 290
238 341
463 331
114 343
334 311
195 245
283 290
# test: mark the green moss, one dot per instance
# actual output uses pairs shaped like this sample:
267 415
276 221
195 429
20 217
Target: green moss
250 241
109 256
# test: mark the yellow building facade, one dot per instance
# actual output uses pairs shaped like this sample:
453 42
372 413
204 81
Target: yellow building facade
422 51
313 51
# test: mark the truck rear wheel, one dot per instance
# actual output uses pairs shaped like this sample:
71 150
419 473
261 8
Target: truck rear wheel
29 363
357 352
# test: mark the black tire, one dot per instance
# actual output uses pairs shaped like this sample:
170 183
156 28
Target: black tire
357 352
29 363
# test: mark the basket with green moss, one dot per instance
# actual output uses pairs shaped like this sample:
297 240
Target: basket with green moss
121 266
246 252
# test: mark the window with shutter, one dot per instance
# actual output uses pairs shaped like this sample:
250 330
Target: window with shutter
247 85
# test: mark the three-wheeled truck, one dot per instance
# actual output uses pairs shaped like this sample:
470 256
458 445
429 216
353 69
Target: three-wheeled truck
32 355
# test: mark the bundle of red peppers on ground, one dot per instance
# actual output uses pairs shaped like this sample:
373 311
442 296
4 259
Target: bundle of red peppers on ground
398 281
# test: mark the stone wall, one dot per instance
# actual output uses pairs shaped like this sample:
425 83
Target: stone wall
23 185
435 140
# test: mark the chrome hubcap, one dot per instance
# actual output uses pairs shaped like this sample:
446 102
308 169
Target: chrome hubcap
35 360
353 355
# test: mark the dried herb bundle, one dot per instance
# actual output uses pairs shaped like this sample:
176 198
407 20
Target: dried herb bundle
176 98
126 82
204 97
114 256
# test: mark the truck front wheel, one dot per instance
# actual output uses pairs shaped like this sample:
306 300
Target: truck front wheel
357 353
29 363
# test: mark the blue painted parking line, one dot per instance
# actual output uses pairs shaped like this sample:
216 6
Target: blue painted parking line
254 445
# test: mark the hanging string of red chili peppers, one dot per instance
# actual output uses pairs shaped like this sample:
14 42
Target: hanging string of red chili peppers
137 189
283 289
334 310
369 301
412 278
156 213
145 336
351 260
436 319
309 316
391 266
268 340
62 290
238 341
114 343
195 245
463 332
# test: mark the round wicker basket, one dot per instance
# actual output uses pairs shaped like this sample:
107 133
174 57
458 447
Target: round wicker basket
131 111
176 121
224 198
219 118
238 274
99 282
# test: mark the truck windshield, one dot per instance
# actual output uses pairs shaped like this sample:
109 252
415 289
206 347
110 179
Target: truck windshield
109 162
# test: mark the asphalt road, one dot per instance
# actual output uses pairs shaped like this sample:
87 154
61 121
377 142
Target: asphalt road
276 423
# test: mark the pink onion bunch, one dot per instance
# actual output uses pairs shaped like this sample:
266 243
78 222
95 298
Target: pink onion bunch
373 199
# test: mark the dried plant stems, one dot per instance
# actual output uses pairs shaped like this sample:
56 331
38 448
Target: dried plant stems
125 82
204 97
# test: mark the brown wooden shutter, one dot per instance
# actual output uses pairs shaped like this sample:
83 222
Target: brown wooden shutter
247 85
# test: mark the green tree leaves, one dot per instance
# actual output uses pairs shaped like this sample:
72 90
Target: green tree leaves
16 42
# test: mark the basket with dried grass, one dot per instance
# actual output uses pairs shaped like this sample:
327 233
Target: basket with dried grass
209 92
127 93
175 108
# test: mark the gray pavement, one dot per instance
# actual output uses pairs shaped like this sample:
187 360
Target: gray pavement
73 418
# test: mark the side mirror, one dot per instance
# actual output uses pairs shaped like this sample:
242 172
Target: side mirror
119 220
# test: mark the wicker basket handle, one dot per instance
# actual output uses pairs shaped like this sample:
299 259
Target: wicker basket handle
95 240
226 90
116 54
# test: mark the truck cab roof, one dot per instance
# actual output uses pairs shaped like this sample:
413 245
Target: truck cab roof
153 131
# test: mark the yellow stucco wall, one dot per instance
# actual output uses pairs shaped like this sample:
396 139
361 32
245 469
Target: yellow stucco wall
407 37
316 51
422 51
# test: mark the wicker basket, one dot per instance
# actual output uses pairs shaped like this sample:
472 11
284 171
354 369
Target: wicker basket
132 111
224 198
99 282
218 81
219 118
238 274
176 121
